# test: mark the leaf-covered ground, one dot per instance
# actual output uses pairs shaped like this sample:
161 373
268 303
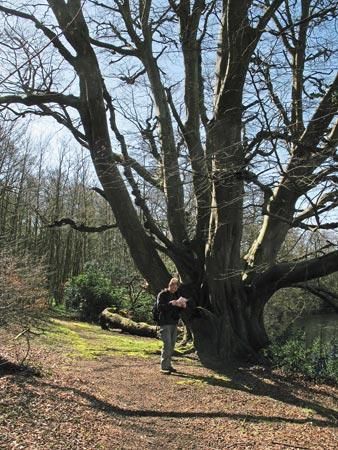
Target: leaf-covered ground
103 390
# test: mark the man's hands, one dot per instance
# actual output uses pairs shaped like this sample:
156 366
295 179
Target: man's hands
180 302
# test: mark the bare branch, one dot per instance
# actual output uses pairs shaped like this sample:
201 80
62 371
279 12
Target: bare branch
115 49
175 112
304 20
53 37
269 12
41 99
80 227
318 208
321 119
287 274
126 161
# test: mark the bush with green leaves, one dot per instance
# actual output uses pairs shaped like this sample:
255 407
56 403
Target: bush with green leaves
90 293
317 361
105 285
140 307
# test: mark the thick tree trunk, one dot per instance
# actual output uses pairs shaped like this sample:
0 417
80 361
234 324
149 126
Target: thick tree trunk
92 109
235 332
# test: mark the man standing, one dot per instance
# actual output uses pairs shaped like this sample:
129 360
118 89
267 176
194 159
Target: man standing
168 306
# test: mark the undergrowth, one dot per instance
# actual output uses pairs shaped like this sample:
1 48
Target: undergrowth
317 361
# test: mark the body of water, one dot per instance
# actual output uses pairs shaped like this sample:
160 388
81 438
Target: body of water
319 325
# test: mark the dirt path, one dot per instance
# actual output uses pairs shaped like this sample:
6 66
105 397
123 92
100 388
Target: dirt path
123 402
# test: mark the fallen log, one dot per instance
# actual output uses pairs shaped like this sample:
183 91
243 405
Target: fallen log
109 319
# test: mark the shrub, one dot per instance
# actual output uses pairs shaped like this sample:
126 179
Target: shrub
140 309
90 293
102 286
317 361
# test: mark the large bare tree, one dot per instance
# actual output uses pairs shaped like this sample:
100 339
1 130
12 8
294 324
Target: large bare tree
232 100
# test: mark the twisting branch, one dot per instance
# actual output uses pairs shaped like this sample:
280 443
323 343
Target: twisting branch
81 227
66 121
318 207
113 48
41 99
290 273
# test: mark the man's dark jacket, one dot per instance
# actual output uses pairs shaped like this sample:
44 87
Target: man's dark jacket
169 314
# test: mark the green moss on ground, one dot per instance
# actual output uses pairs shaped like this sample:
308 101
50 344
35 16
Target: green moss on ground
84 340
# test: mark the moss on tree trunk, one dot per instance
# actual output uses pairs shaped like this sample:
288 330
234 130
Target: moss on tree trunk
109 319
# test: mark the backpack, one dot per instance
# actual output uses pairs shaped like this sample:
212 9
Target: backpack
155 312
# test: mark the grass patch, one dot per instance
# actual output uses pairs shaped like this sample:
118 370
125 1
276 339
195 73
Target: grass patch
83 340
184 350
215 380
62 313
196 381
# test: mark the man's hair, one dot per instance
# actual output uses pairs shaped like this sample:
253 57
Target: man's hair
173 281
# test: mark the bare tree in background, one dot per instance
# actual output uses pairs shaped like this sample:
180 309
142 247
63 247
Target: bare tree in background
38 198
23 293
263 117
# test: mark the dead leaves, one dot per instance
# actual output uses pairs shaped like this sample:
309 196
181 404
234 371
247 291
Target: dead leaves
124 403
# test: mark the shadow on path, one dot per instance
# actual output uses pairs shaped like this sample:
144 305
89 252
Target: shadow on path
279 391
